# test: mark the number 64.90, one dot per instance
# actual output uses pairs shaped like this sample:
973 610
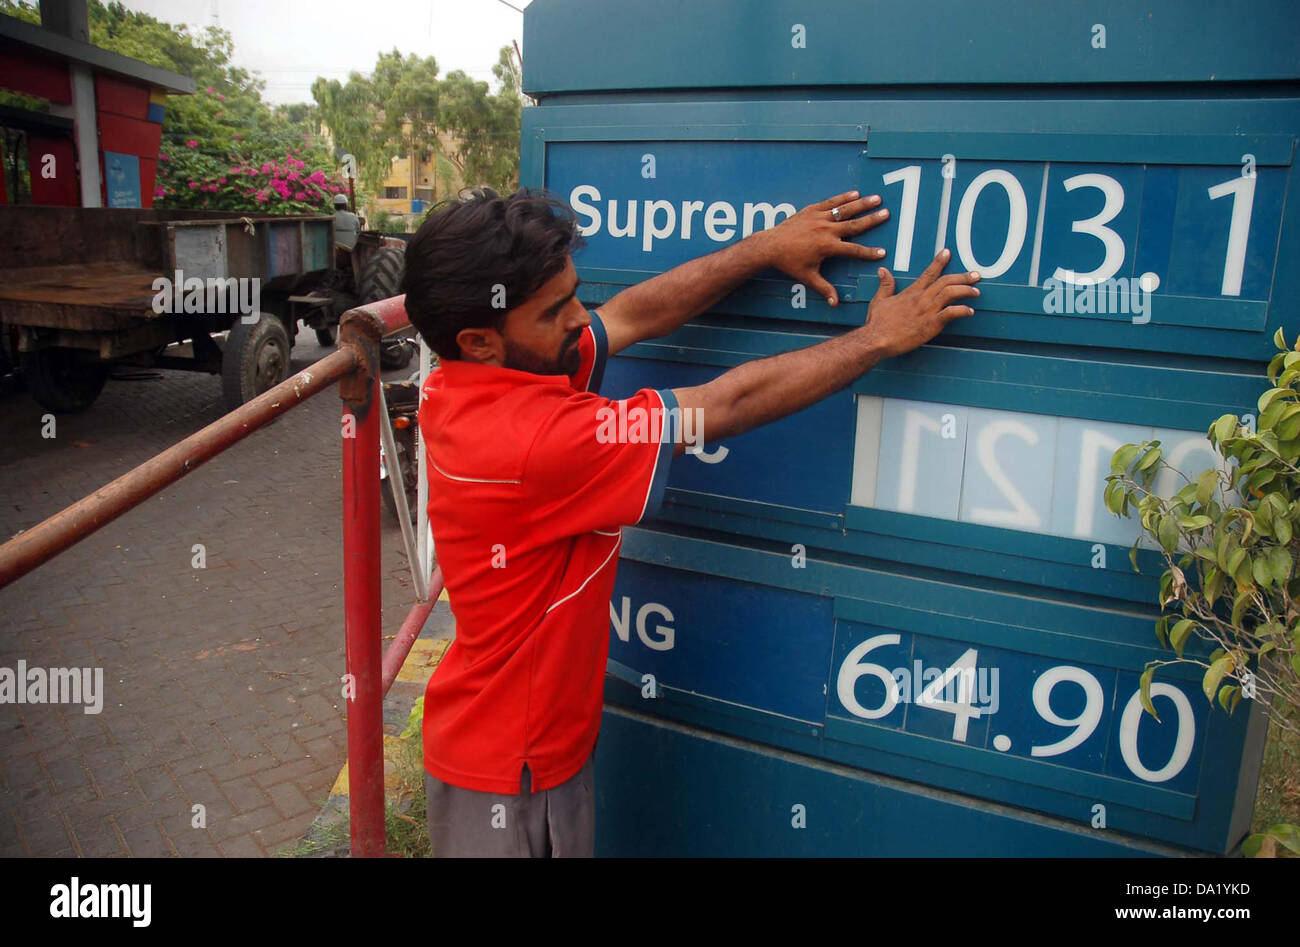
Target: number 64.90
1084 724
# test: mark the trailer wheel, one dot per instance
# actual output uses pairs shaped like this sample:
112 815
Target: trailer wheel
255 359
61 380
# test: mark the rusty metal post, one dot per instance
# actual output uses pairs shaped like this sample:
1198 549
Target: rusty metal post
360 331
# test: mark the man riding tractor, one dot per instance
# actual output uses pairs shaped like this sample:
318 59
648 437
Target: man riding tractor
367 267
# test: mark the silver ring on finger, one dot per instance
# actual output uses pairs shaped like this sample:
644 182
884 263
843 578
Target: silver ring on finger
835 214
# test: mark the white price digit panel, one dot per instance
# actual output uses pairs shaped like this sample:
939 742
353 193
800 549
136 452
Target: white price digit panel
1010 469
1206 231
1087 718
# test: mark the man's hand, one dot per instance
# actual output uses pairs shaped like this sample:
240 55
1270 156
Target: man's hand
898 324
798 245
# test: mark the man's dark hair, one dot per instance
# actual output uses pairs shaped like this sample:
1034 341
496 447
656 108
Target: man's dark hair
470 244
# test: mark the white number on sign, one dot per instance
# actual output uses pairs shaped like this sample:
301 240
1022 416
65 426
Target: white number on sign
1084 724
853 668
914 422
911 178
962 710
1242 190
1021 515
1017 226
1132 719
1096 226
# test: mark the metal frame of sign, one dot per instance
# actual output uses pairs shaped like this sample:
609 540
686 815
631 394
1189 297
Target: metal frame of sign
1213 817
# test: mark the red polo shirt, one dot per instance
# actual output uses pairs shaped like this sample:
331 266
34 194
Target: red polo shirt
530 479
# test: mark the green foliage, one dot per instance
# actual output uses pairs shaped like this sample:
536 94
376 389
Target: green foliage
212 138
403 108
1229 536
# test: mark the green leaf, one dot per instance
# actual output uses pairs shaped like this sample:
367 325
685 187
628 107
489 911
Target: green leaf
1280 564
1144 689
1213 585
1213 676
1288 425
1239 606
1162 632
1133 556
1295 664
1225 427
1250 848
1235 559
1272 395
1279 339
1122 459
1205 484
1178 635
1226 693
1168 533
1259 569
1114 497
1288 835
1282 527
1151 457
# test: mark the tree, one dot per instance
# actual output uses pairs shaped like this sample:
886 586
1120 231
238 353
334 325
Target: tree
485 128
1230 538
403 108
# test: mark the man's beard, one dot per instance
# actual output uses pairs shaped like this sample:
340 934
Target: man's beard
566 363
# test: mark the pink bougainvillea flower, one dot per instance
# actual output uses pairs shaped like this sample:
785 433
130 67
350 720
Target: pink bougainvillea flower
292 175
261 197
209 89
316 177
163 157
299 195
221 97
193 185
191 143
221 180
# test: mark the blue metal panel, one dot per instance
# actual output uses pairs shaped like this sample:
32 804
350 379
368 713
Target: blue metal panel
684 44
1031 496
1049 721
665 790
944 512
1174 191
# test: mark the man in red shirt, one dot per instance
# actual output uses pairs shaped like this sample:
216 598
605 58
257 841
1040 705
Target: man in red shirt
532 474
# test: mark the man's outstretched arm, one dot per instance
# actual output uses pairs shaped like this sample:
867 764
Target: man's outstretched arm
766 389
796 246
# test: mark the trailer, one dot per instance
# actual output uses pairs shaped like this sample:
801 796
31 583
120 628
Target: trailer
83 289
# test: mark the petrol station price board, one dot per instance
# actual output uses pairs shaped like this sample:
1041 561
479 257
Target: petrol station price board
916 578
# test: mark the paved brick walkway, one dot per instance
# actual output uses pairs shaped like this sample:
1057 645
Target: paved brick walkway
221 684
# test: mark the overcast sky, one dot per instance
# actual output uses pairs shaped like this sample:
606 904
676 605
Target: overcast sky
291 42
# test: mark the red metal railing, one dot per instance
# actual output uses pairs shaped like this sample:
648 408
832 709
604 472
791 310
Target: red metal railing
370 671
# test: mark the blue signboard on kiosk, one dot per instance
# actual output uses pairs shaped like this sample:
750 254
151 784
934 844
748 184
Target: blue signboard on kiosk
908 602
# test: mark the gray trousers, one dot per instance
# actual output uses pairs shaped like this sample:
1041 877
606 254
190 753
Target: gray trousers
557 823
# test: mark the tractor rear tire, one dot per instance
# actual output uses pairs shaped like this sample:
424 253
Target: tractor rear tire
381 279
61 380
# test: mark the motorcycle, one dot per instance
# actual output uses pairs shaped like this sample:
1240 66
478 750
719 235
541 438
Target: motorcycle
403 401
